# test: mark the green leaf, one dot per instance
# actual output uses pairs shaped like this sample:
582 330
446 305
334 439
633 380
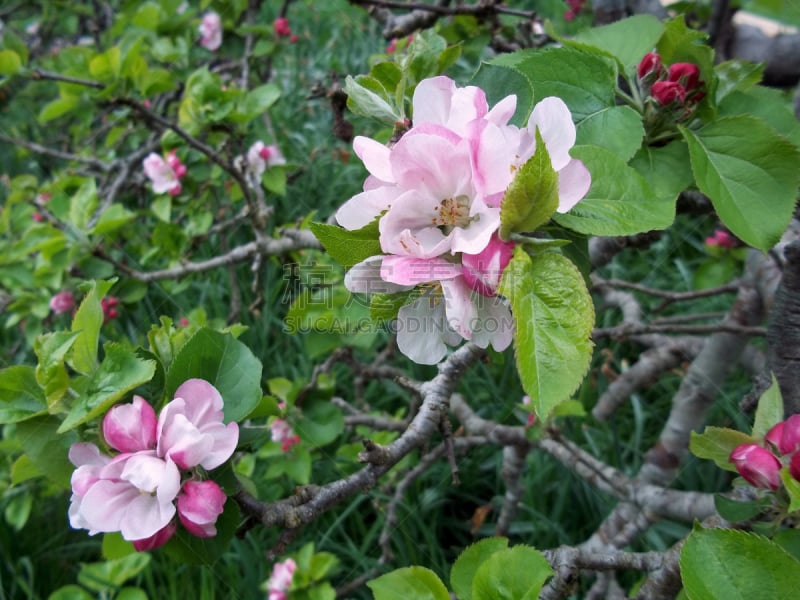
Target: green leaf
83 204
47 449
683 44
111 574
514 574
87 322
187 548
51 374
737 512
226 363
500 78
586 81
258 100
114 217
553 317
532 196
162 208
717 443
418 583
615 128
105 67
56 108
70 592
18 510
725 564
768 104
468 562
619 201
792 487
320 423
666 169
120 372
24 469
366 103
20 395
10 62
348 247
769 411
737 75
115 546
384 307
627 40
752 185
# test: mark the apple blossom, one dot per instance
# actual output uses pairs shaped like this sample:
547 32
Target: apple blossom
667 92
281 579
482 271
211 31
757 465
687 74
199 505
790 435
131 427
161 174
62 302
650 65
281 27
158 539
283 433
190 430
132 493
261 156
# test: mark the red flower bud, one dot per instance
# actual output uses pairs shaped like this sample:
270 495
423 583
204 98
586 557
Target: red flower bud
757 465
790 435
667 92
281 25
651 63
687 74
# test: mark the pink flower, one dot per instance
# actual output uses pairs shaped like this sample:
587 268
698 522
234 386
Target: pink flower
161 174
649 65
158 539
667 92
260 157
132 493
131 427
526 400
62 302
757 465
482 271
281 26
199 505
175 163
211 31
722 239
38 217
283 433
293 39
391 47
281 579
190 429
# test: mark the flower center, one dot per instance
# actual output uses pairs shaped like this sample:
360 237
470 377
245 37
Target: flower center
453 212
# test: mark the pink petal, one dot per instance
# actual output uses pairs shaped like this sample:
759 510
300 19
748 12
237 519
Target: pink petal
375 156
574 181
554 121
406 270
365 278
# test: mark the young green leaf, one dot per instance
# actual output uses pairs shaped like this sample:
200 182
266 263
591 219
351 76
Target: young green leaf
410 582
87 322
615 128
367 103
553 318
348 247
532 196
717 443
769 411
468 562
627 40
514 574
20 396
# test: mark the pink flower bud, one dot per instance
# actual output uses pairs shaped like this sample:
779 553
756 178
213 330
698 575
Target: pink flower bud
175 190
131 427
281 579
687 74
211 31
482 271
651 63
794 466
265 152
38 217
177 166
667 92
199 505
293 39
281 26
62 302
391 47
757 465
790 435
282 432
774 435
158 539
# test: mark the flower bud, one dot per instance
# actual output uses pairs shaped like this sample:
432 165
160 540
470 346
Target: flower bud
281 26
199 505
790 435
667 92
482 271
158 539
62 302
757 465
131 427
651 63
773 436
794 466
687 74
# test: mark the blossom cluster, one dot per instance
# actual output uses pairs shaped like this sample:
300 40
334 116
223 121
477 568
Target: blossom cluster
260 157
761 465
164 174
678 86
281 579
437 194
282 433
155 473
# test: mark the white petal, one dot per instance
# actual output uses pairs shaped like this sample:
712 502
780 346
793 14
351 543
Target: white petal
554 121
574 182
